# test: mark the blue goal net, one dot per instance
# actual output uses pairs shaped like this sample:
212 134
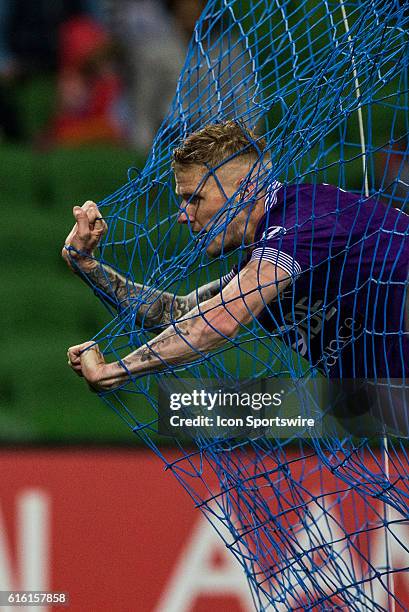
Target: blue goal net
326 85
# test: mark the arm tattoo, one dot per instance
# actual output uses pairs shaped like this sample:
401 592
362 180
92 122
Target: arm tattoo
156 309
205 292
148 353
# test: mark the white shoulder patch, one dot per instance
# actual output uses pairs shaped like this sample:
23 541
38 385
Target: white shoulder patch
272 232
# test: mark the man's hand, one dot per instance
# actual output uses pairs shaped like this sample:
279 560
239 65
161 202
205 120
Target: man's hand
84 236
87 360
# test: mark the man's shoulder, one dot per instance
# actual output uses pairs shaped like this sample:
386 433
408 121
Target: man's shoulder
302 208
303 203
316 192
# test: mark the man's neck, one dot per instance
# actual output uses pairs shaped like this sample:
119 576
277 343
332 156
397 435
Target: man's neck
251 222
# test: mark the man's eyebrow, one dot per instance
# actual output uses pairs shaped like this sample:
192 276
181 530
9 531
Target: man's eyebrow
187 195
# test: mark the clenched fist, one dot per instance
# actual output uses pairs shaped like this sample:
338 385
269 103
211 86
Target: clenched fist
84 236
87 361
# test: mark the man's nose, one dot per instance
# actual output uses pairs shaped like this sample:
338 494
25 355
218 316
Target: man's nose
186 215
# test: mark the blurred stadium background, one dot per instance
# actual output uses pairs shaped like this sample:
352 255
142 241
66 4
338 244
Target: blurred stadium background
83 88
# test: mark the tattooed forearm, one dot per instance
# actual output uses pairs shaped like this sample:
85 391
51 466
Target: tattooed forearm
149 352
184 342
154 308
204 293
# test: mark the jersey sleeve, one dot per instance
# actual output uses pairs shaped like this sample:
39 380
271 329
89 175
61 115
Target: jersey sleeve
278 247
280 253
285 247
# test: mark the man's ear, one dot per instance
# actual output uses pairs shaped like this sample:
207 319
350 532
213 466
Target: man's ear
245 187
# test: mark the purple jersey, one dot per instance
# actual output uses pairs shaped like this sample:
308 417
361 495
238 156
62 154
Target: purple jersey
349 261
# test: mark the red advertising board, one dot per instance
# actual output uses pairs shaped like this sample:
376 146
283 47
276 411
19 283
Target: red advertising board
118 533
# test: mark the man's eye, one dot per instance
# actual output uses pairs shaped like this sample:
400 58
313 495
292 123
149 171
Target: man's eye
192 200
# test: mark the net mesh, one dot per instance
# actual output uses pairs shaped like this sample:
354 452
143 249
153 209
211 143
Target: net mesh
326 83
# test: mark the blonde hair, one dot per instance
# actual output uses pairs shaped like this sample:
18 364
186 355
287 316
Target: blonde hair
216 143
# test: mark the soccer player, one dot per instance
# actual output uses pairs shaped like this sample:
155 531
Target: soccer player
322 269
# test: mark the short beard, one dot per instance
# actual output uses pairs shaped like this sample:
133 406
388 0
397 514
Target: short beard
235 239
219 248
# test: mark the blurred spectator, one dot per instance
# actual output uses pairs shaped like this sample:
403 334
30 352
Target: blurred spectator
34 38
155 37
29 30
90 102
